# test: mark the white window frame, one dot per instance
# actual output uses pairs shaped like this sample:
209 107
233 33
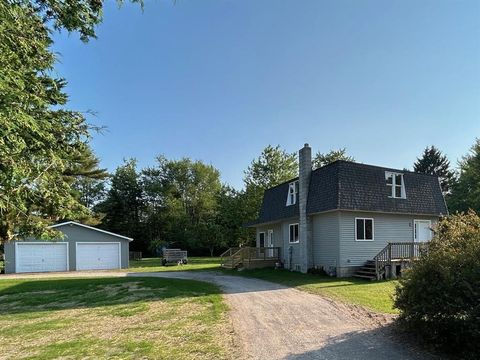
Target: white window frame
292 190
394 185
264 238
364 229
289 240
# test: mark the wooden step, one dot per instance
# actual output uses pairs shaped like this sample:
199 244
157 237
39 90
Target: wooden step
369 277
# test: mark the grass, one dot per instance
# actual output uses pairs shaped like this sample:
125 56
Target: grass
373 295
121 318
194 263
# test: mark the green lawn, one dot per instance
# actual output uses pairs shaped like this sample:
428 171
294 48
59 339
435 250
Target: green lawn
194 263
121 318
374 295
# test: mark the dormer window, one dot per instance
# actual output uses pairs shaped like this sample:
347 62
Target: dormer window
395 184
292 193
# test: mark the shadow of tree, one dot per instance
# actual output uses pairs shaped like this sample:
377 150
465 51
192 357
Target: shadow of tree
20 296
378 344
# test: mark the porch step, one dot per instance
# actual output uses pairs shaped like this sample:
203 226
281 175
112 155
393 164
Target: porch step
367 271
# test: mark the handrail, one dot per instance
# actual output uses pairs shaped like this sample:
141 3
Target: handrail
237 256
397 251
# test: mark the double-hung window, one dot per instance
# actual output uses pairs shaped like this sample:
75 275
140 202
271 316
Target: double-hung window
292 193
293 233
395 185
363 229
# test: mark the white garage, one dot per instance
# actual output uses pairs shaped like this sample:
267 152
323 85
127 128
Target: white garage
80 247
41 257
98 256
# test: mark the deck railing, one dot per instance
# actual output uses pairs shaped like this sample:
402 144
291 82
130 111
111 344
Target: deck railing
397 251
236 256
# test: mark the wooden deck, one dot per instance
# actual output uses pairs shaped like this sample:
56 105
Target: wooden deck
250 257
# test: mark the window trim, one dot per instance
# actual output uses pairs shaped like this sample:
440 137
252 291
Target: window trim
394 185
364 230
294 185
293 242
264 238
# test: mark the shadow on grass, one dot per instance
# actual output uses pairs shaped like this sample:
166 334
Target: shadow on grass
21 296
194 264
377 344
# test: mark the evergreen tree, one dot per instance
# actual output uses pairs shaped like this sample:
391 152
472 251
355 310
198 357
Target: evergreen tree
466 192
433 162
321 159
123 205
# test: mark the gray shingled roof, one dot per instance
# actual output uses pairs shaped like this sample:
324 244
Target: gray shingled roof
345 185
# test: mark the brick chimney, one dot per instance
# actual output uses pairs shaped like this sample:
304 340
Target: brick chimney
305 226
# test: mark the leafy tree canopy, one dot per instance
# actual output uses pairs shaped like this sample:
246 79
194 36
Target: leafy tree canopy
466 191
322 159
433 162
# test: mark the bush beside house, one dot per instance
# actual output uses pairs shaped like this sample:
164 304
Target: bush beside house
439 298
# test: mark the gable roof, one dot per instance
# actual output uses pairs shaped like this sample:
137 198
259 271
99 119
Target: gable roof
345 185
91 228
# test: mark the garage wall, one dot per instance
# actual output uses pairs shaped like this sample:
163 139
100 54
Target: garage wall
73 234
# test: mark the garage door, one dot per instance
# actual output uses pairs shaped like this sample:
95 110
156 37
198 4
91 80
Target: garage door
98 256
41 257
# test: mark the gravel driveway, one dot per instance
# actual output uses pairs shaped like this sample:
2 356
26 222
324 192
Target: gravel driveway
275 322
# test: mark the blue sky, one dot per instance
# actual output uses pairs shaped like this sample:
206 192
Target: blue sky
218 80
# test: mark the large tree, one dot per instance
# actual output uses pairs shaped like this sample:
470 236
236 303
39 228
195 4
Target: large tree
123 205
322 159
433 162
466 191
272 167
40 138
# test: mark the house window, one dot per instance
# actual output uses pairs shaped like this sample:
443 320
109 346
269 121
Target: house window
292 193
261 239
363 229
395 185
293 238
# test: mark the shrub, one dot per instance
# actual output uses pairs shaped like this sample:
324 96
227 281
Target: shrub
439 297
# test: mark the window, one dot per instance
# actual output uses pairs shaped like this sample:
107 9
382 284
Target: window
395 184
292 193
261 239
293 233
363 229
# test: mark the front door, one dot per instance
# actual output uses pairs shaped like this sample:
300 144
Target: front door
270 243
422 230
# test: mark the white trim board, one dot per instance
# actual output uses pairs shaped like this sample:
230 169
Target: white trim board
91 228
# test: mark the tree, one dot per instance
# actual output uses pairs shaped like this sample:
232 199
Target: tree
271 168
466 191
321 159
433 162
39 137
439 297
123 205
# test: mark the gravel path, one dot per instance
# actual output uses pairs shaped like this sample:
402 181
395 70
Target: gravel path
275 322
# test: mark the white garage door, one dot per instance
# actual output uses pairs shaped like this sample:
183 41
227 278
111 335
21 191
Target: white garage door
41 257
98 256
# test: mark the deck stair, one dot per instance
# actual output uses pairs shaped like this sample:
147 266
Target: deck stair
393 255
367 271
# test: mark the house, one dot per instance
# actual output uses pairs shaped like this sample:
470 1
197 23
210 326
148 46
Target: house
83 248
342 215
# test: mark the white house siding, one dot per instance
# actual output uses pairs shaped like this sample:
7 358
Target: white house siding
387 228
325 240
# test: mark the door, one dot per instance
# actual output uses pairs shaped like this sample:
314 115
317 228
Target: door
41 257
98 256
422 230
270 243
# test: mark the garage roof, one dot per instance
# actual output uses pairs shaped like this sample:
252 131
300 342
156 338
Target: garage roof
91 228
